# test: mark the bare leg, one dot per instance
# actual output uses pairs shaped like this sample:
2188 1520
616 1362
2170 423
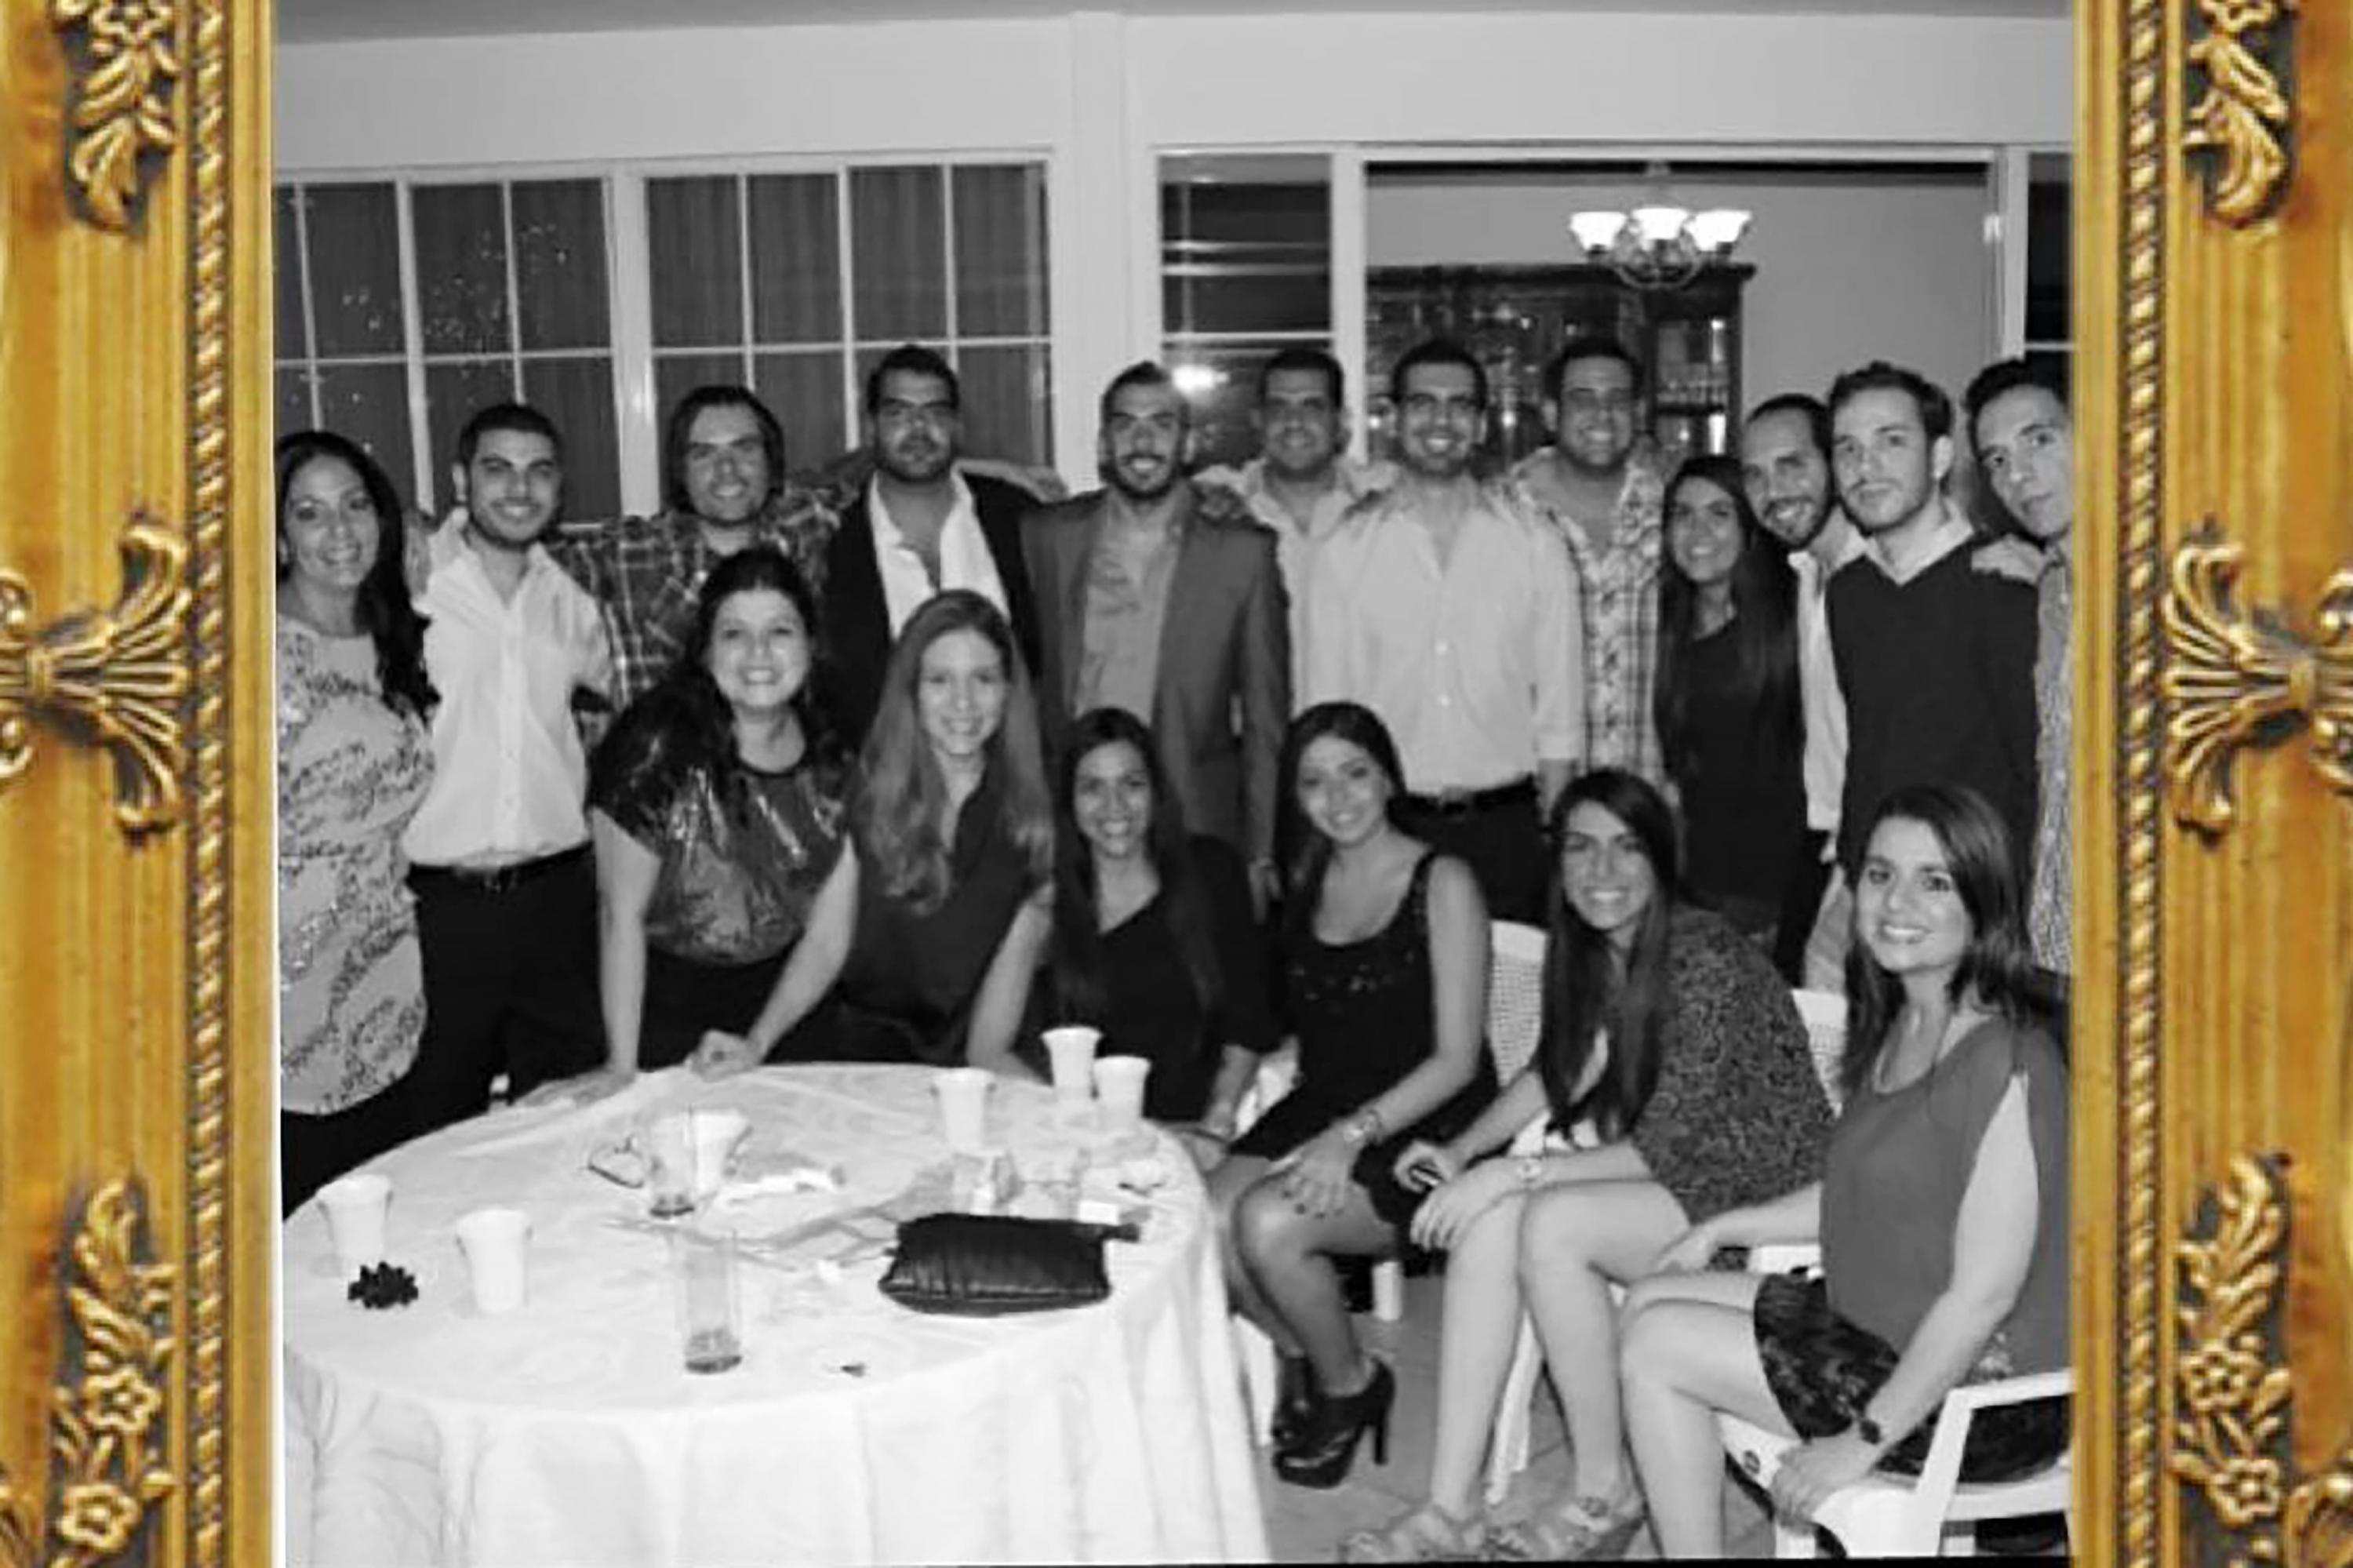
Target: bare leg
1227 1183
1476 1338
1573 1240
1685 1359
1288 1254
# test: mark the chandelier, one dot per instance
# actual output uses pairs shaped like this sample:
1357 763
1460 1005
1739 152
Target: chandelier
1658 244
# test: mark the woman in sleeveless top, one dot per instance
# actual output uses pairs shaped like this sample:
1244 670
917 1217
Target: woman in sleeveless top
1384 947
1942 1210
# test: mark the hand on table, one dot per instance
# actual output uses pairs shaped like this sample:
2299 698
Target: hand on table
1811 1471
1316 1175
1447 1213
585 1089
723 1055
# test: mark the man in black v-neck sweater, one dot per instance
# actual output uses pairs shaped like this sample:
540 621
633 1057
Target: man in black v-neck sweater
1935 659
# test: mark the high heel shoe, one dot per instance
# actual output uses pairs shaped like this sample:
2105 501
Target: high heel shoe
1295 1398
1319 1454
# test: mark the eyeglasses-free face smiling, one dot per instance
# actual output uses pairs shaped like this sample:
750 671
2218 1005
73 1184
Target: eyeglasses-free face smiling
1704 532
960 688
329 527
1605 873
1111 800
1907 907
1343 791
759 650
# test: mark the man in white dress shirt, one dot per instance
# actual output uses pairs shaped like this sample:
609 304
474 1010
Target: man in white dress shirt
1449 610
506 892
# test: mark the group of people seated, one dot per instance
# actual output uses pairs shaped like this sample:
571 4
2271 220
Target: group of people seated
906 766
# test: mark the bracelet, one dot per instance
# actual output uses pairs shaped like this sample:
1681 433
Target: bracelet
1362 1129
1531 1169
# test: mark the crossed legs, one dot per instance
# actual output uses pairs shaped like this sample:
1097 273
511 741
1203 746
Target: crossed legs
1279 1270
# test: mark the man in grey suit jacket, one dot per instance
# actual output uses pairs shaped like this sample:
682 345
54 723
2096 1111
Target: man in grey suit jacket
1164 598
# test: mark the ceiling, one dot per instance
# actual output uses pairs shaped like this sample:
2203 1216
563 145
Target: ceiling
318 21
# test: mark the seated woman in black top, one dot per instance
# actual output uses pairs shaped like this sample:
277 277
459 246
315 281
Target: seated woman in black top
716 807
1726 698
924 940
1155 942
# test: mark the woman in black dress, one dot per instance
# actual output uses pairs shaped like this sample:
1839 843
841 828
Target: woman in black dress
1385 956
1155 942
1726 698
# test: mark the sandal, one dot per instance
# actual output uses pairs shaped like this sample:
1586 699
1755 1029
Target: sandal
1581 1527
1426 1534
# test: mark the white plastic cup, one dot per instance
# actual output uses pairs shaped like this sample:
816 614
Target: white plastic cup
1071 1051
1119 1087
709 1322
671 1165
354 1207
715 1133
497 1243
964 1106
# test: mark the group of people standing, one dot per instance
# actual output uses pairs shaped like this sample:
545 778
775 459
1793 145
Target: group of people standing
903 763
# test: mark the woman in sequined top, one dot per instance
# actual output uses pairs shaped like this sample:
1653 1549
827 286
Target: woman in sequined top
353 764
716 812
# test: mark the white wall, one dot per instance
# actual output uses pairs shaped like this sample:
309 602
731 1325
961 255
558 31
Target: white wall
1849 267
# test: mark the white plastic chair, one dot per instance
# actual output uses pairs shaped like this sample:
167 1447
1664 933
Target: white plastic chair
1892 1516
1824 1013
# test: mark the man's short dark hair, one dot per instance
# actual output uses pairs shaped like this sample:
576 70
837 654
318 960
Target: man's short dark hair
1936 409
521 418
1590 345
911 359
1143 373
1301 357
1807 407
1437 351
2037 370
682 426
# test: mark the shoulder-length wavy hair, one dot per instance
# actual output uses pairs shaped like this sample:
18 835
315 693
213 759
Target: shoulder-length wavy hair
1585 994
1997 970
684 724
384 611
900 794
1301 850
1078 962
1764 628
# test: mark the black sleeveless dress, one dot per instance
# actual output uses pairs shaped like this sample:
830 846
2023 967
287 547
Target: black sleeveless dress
1365 1018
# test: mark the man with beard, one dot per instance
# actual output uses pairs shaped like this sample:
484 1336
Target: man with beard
1602 488
1936 659
1165 599
724 483
1785 459
2025 444
506 894
1449 609
1301 482
918 527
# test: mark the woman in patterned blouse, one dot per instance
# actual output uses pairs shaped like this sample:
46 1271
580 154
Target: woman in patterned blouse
353 764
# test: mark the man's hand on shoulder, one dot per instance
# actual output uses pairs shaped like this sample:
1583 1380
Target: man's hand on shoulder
2008 556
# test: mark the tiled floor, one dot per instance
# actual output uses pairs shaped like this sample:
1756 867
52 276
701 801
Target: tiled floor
1306 1526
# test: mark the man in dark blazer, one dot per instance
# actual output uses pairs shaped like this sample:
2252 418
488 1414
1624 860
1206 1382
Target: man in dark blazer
918 527
1164 598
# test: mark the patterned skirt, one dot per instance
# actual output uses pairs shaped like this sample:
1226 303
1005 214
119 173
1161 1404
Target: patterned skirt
1823 1370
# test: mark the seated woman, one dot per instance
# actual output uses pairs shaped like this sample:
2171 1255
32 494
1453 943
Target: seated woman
1726 698
1942 1211
716 811
923 939
1155 942
1384 952
1673 1037
354 760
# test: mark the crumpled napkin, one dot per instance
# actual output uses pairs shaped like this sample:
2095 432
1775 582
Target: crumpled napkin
526 1127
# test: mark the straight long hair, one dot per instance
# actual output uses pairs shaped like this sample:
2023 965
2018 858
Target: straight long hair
1585 996
385 610
1764 632
901 792
1301 849
1997 970
1078 952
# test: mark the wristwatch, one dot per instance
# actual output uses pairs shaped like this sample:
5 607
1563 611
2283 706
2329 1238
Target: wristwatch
1869 1430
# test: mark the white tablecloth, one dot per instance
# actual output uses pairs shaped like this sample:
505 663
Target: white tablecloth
855 1431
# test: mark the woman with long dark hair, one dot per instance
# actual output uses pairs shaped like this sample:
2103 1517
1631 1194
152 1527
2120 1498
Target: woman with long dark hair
1725 697
1384 970
923 942
1942 1210
716 812
354 760
1671 1036
1155 941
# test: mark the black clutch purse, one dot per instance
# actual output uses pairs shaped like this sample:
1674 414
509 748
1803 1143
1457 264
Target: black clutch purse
982 1265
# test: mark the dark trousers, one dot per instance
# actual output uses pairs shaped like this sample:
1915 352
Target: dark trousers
510 984
313 1151
1800 901
1502 841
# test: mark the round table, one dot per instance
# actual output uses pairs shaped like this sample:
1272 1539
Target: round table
569 1433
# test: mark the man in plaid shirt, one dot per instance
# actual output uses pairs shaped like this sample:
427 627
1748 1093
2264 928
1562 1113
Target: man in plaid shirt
724 487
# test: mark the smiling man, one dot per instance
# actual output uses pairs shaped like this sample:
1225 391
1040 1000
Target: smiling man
1165 599
1448 608
506 896
1936 658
